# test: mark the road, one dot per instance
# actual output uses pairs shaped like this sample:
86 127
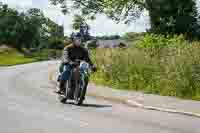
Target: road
28 105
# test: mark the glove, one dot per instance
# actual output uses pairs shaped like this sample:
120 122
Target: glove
94 68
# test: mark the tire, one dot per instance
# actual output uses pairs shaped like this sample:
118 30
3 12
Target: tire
80 93
62 99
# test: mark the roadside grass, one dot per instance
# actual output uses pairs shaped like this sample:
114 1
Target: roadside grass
10 56
157 65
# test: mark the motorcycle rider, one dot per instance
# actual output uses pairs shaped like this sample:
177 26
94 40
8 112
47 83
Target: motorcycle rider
70 54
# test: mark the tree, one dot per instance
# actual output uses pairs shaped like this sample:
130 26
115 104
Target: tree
10 24
164 14
52 29
111 37
172 16
29 29
77 22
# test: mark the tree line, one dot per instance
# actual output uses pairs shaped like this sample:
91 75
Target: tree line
29 29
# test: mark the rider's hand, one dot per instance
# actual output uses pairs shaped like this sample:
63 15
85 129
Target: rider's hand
94 68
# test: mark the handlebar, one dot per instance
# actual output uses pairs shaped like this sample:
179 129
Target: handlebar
78 61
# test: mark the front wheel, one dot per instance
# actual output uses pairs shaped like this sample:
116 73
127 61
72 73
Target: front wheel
80 92
62 99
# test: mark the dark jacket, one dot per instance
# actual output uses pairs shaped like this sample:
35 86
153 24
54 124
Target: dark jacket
71 53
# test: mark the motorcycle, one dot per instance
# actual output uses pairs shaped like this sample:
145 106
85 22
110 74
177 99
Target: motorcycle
76 86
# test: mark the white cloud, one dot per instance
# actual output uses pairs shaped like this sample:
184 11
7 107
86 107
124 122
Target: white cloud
104 26
16 3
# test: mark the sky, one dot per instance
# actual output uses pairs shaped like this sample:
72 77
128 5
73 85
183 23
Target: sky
101 26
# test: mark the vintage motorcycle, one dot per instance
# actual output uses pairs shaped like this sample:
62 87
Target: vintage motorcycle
76 86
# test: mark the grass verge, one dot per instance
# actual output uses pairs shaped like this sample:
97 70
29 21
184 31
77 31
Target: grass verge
10 56
169 67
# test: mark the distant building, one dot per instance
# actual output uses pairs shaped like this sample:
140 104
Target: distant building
111 44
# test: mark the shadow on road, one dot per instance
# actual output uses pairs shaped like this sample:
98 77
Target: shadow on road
96 106
90 105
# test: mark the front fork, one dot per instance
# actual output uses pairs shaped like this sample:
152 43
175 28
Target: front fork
80 85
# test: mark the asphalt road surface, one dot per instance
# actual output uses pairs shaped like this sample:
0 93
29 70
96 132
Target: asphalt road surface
28 105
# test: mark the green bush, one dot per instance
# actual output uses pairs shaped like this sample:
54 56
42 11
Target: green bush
46 54
91 44
55 43
159 41
132 36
